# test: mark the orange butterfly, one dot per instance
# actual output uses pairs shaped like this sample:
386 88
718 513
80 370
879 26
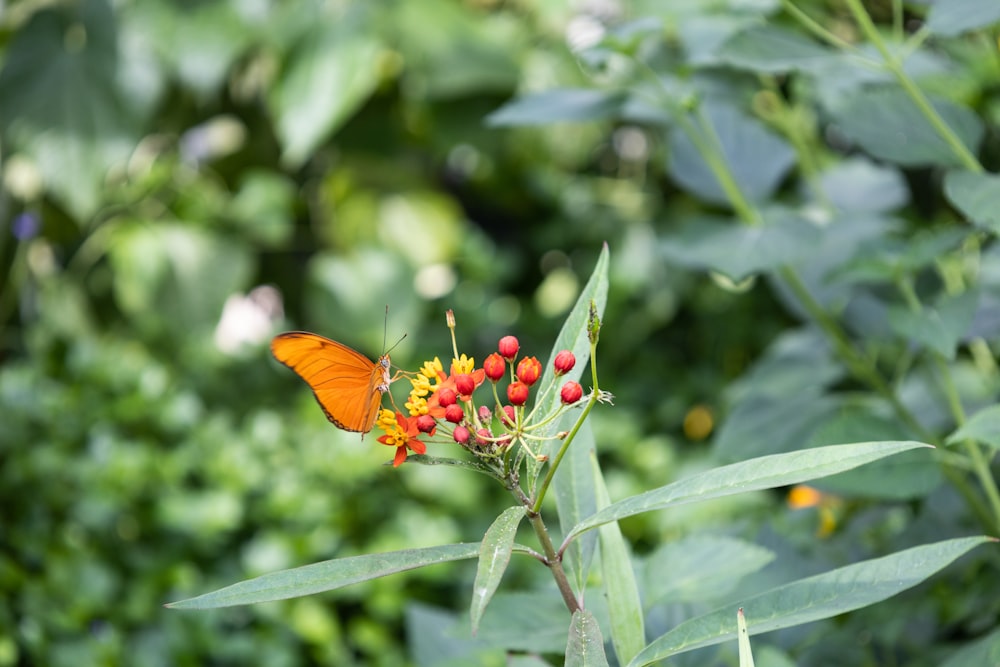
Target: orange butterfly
347 385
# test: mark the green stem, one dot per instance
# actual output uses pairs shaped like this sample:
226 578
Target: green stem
980 463
864 21
554 465
554 562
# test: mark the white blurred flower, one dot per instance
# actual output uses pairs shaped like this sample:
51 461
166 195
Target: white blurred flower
248 319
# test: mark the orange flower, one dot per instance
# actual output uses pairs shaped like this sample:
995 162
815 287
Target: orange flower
402 435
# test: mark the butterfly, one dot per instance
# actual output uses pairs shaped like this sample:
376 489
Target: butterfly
347 384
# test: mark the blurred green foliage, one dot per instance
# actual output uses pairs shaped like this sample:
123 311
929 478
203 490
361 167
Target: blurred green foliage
163 160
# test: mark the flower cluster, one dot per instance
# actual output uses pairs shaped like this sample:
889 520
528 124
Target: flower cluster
444 402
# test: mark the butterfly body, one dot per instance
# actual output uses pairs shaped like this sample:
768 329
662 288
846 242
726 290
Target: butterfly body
346 384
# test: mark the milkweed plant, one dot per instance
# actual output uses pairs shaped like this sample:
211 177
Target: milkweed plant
524 424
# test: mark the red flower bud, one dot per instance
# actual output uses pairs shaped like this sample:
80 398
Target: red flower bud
564 362
483 436
529 370
571 392
508 347
454 413
494 367
446 396
461 435
426 424
507 416
517 393
484 413
464 384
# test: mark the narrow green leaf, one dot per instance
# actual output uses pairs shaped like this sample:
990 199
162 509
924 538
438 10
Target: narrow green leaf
426 460
573 337
765 472
985 651
326 576
558 106
628 632
983 427
746 655
573 487
977 196
494 555
585 647
821 596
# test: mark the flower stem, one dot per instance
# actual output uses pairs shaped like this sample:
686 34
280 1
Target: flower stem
554 562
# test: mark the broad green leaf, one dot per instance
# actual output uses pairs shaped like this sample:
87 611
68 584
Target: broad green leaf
739 251
573 487
940 327
755 156
761 425
558 106
628 633
766 472
985 651
536 622
821 596
886 123
886 259
431 640
983 427
905 476
585 647
183 271
331 72
770 50
62 100
326 576
797 361
977 196
953 17
746 655
699 568
857 184
494 556
263 207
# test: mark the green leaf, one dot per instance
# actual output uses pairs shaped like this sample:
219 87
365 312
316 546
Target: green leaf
771 50
983 427
939 328
857 184
568 105
62 102
576 499
746 655
821 596
886 123
985 651
739 251
977 196
763 424
585 647
699 568
333 70
494 556
756 157
426 460
624 607
573 337
953 17
326 576
766 472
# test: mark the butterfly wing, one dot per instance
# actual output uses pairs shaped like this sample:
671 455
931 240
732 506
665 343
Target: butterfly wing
347 385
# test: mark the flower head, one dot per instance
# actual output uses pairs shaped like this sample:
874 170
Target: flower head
517 393
571 392
564 362
508 347
402 435
529 370
494 367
